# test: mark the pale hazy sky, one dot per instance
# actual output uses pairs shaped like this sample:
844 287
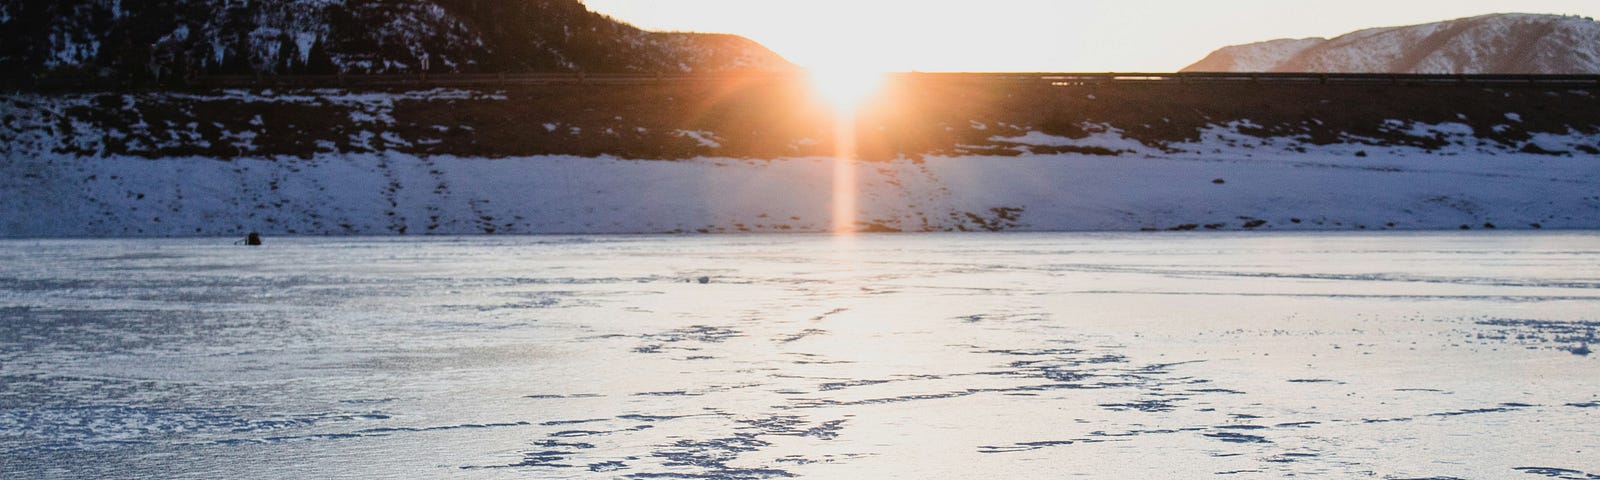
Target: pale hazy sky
1040 35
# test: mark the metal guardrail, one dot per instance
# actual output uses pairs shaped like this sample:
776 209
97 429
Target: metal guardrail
1052 78
470 79
72 82
1073 79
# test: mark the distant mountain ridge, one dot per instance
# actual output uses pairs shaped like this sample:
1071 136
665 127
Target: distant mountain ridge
1511 43
159 41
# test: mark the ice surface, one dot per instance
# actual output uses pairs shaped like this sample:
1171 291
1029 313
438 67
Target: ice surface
913 356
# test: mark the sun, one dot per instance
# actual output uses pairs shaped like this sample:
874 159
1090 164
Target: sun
845 89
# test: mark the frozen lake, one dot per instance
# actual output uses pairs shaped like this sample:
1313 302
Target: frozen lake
1422 355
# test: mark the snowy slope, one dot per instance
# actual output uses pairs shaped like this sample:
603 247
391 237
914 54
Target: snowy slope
386 194
1226 180
1500 43
1255 57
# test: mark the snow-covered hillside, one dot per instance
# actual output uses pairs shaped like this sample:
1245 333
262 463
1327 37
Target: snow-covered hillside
162 41
1500 43
1245 187
1256 57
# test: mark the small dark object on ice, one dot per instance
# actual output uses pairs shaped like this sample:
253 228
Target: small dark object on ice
1219 181
253 239
703 280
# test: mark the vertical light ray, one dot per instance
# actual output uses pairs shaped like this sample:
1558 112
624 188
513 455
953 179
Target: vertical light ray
845 89
845 187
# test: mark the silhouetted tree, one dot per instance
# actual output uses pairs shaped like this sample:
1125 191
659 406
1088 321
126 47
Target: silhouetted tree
288 56
318 62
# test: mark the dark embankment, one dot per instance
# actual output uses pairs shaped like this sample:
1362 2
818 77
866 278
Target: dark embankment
778 116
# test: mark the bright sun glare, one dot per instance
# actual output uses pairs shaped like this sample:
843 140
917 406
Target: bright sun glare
845 89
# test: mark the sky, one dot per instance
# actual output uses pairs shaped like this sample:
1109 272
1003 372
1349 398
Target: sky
1039 35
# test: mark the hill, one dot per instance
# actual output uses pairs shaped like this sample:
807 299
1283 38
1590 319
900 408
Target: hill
1490 44
145 42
